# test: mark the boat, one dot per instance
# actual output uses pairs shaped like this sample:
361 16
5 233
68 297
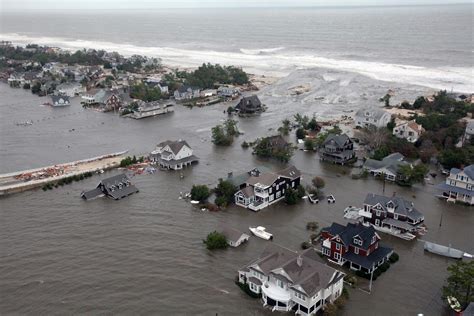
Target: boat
454 303
313 198
331 199
261 232
352 212
444 251
194 202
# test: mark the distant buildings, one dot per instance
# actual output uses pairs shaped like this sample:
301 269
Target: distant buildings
337 149
249 105
372 117
59 100
116 187
173 155
355 245
263 189
291 281
411 131
388 166
186 93
459 185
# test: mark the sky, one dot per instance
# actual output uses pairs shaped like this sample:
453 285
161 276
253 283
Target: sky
21 5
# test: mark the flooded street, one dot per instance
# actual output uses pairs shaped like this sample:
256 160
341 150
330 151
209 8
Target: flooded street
144 254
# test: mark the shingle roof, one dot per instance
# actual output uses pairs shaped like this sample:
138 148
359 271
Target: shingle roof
250 103
392 162
347 233
232 234
402 206
118 186
368 261
374 112
91 194
291 172
266 179
175 146
340 140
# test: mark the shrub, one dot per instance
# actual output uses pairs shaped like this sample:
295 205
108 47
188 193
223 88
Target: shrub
225 191
305 245
300 191
318 182
312 226
394 257
384 267
215 240
300 133
245 145
330 310
200 193
291 196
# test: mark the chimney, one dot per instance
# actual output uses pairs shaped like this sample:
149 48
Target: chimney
299 261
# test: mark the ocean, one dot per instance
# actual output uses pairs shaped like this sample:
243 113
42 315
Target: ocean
429 46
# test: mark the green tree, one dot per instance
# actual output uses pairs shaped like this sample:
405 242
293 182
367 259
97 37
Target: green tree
220 137
309 144
265 148
460 282
284 129
231 127
36 88
300 133
200 193
386 99
318 182
215 240
391 125
225 191
291 196
313 125
409 175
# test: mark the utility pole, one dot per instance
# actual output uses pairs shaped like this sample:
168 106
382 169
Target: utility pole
370 284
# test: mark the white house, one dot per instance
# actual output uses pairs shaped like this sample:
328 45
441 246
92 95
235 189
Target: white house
372 116
234 237
469 133
409 130
208 93
60 100
173 155
459 185
70 89
288 280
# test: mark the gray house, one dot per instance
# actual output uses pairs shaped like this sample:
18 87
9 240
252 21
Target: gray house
249 105
187 92
388 166
234 237
116 187
59 100
372 117
337 149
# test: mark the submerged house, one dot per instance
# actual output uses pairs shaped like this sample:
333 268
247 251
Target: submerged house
108 100
59 100
355 245
249 105
263 189
228 92
234 237
337 149
186 93
116 187
149 109
240 180
459 185
292 281
388 166
372 117
393 215
173 155
70 89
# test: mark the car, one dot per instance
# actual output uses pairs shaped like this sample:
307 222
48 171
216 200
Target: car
331 199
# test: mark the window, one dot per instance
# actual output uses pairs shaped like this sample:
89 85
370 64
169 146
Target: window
338 246
337 256
377 213
356 250
377 222
280 283
395 216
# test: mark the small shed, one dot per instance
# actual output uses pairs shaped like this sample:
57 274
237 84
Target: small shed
234 237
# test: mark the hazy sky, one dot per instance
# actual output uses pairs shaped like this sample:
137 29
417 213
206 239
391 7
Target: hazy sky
19 5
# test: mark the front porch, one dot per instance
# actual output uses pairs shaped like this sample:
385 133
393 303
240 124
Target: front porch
277 298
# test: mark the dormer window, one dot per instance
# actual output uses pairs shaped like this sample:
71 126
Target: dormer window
357 241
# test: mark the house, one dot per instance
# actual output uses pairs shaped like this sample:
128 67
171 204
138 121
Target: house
173 155
388 166
239 181
108 100
116 187
355 245
292 281
228 92
149 109
158 83
459 185
372 117
409 130
337 149
208 93
393 215
468 137
264 189
70 89
59 100
249 105
186 93
234 237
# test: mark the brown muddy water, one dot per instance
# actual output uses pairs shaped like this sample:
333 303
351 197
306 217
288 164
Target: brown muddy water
144 255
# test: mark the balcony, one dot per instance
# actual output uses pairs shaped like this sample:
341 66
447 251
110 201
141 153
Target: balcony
276 293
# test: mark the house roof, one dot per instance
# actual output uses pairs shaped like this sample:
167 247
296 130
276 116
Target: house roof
339 140
373 112
469 171
247 191
56 98
291 172
175 146
368 261
303 268
392 162
348 232
91 194
185 88
277 141
265 178
232 234
118 186
249 103
402 206
240 179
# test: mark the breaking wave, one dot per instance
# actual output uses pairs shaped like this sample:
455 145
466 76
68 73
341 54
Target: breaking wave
270 62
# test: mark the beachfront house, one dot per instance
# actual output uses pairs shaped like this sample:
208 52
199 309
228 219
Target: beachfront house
409 130
292 281
459 185
234 237
70 89
354 245
59 100
249 105
393 215
187 93
228 92
173 155
388 167
372 117
264 189
116 187
337 149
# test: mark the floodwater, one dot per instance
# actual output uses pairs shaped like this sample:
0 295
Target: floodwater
144 254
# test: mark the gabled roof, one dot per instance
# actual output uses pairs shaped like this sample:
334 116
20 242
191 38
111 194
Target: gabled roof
339 140
347 233
118 186
373 112
291 172
232 234
266 179
392 162
402 206
185 88
469 171
175 146
57 98
251 102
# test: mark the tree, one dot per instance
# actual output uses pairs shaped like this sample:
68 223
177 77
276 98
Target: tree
300 191
225 191
36 88
318 182
215 240
409 175
220 137
231 127
373 137
391 125
284 129
300 133
291 196
312 226
268 147
460 282
200 193
386 99
309 144
313 125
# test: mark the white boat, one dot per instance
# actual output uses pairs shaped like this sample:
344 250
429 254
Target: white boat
454 304
444 251
331 199
194 202
313 198
261 232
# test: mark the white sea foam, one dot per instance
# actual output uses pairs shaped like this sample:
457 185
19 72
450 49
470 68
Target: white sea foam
278 63
261 51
